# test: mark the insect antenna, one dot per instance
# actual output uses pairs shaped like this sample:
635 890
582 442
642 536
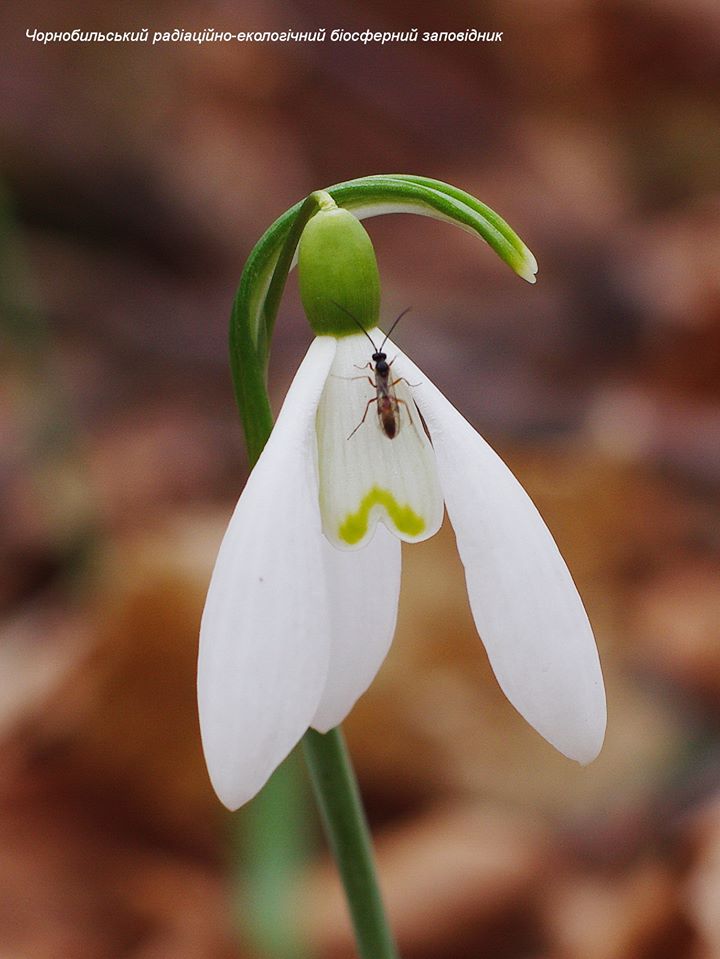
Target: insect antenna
407 310
357 323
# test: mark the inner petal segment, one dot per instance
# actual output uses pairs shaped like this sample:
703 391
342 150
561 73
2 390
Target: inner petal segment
369 472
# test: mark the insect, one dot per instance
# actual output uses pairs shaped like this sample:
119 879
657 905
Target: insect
388 404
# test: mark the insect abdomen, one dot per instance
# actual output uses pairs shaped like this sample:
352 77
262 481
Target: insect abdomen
389 426
388 414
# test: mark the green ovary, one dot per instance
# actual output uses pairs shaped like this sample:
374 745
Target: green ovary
404 518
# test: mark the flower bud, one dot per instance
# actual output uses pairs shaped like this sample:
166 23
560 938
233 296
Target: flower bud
339 280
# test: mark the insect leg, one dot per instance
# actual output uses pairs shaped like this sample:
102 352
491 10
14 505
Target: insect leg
400 379
373 400
406 407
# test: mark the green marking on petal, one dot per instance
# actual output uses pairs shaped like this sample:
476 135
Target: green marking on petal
404 518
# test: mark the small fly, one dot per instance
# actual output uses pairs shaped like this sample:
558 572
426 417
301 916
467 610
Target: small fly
388 404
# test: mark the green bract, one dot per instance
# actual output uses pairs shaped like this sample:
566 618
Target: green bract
266 271
339 280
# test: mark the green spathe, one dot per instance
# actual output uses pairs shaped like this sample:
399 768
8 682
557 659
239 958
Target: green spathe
338 274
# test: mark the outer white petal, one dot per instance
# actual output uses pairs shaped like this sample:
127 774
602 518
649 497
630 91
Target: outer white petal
525 604
364 588
265 633
366 477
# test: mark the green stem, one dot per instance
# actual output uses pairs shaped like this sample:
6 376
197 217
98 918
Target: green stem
273 841
338 797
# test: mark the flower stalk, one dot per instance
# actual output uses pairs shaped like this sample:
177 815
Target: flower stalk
338 798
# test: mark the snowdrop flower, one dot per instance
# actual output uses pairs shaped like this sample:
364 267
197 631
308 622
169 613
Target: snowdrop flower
303 600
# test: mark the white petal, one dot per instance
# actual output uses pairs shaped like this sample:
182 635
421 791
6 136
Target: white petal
525 604
364 588
265 634
364 475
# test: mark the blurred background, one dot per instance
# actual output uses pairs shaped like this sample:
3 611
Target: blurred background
135 181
